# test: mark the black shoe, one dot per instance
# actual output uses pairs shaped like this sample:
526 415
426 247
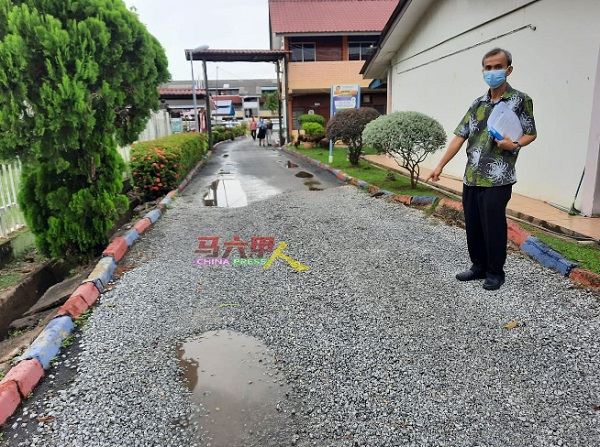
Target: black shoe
493 283
470 275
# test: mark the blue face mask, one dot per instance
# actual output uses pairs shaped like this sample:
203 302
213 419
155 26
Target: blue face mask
494 78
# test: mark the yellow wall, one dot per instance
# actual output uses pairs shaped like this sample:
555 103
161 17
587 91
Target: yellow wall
313 75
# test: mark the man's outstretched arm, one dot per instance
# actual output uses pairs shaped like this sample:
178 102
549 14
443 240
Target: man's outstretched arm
453 148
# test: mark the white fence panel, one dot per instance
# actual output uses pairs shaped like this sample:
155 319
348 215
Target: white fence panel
11 218
159 125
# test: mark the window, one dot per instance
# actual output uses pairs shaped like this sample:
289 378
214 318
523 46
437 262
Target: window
303 52
296 112
359 51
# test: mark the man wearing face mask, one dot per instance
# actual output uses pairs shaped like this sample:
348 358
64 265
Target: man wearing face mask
490 171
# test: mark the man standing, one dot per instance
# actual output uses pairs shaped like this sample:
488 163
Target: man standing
490 171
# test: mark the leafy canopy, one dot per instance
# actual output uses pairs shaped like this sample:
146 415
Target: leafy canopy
408 136
348 125
311 118
271 100
313 130
76 77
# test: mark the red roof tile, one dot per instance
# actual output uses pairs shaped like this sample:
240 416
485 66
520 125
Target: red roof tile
322 16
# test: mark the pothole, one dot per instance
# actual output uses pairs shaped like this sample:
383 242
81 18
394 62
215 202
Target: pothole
304 174
314 188
232 376
225 193
289 164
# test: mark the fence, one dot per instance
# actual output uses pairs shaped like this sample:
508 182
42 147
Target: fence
158 126
11 218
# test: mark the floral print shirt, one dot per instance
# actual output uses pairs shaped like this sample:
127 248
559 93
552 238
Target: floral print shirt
487 164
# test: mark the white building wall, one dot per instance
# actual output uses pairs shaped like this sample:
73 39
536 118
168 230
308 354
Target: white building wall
437 71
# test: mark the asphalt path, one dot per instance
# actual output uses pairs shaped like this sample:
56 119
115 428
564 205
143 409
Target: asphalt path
357 335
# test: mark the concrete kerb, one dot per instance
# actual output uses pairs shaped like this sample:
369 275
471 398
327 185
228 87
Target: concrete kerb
22 378
535 248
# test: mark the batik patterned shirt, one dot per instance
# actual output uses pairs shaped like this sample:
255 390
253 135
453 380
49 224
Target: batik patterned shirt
487 164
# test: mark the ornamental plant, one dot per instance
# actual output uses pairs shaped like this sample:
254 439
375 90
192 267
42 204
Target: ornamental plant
311 118
314 131
348 125
76 78
408 136
158 166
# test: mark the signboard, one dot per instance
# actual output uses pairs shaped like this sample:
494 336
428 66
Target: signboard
344 97
176 125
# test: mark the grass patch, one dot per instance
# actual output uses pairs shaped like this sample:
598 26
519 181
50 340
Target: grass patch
586 256
369 173
8 279
68 341
83 319
14 334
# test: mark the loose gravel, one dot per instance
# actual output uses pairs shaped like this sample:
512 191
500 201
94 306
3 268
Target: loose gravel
378 343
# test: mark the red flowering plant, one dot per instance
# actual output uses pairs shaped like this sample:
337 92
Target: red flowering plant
158 166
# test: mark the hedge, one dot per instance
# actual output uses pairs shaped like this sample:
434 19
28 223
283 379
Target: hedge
158 166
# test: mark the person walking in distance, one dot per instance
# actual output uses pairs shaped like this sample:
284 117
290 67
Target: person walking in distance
253 129
490 171
262 132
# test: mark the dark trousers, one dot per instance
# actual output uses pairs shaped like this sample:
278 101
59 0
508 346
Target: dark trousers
253 134
485 220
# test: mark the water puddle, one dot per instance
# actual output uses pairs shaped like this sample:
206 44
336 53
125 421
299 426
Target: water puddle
304 174
231 377
225 193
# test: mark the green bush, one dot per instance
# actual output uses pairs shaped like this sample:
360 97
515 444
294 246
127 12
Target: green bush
75 79
347 125
311 118
314 131
158 166
409 136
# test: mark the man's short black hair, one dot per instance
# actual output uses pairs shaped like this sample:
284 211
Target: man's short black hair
495 51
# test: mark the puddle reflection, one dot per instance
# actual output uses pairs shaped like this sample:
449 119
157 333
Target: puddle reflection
226 193
229 376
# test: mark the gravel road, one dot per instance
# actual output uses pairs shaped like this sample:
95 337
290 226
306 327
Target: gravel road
377 343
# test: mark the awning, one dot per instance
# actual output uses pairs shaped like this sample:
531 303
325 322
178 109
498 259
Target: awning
377 83
237 55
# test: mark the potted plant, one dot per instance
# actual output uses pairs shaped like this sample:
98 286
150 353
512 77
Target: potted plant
313 132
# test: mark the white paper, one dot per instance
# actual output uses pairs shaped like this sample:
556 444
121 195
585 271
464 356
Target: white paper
505 122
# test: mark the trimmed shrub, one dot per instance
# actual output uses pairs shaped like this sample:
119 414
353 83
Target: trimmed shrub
348 125
409 136
324 143
313 131
158 166
311 118
76 78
